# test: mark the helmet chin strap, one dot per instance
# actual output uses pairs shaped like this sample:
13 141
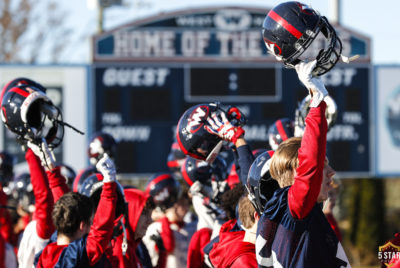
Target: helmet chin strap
68 125
349 59
124 245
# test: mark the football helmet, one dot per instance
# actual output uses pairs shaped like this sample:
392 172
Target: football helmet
175 158
30 114
290 28
99 144
331 114
199 170
281 130
193 139
6 168
18 82
69 173
164 189
81 177
260 185
92 188
22 192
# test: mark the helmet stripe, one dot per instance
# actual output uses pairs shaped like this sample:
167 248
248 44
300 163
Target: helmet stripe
20 91
285 24
157 180
281 130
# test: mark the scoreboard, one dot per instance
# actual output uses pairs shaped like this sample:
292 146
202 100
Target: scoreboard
148 72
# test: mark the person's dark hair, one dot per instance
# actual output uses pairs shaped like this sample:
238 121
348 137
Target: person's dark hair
149 206
69 211
230 199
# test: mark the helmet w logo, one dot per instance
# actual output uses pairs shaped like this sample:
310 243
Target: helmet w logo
161 196
195 121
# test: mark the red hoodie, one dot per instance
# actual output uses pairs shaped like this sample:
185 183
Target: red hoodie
136 201
231 250
200 239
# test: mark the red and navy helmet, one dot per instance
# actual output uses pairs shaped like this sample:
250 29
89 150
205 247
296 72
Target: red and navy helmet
260 185
69 173
164 189
19 82
81 177
175 158
6 167
92 188
99 144
29 113
198 170
290 28
22 192
193 139
281 130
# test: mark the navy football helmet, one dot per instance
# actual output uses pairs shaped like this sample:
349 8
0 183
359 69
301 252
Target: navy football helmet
164 189
175 158
29 113
99 144
290 28
281 130
260 185
198 170
193 139
92 188
69 173
22 192
19 82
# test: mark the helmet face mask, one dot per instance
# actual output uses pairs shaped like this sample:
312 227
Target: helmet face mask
290 29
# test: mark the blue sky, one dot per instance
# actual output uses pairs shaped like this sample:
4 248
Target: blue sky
381 22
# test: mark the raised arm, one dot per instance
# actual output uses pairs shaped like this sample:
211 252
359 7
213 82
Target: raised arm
303 194
43 198
101 231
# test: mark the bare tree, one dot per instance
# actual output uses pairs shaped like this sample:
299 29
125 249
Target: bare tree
31 30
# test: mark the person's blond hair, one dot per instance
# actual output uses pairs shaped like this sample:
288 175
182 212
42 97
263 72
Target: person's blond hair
246 212
285 161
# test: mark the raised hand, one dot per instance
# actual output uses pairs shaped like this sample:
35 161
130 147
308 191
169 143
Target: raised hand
107 168
221 127
42 150
314 84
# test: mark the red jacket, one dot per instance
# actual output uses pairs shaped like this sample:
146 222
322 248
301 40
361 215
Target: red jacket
231 250
199 240
136 201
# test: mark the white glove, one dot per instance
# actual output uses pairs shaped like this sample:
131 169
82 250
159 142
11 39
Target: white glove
198 188
107 168
225 130
314 84
45 154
